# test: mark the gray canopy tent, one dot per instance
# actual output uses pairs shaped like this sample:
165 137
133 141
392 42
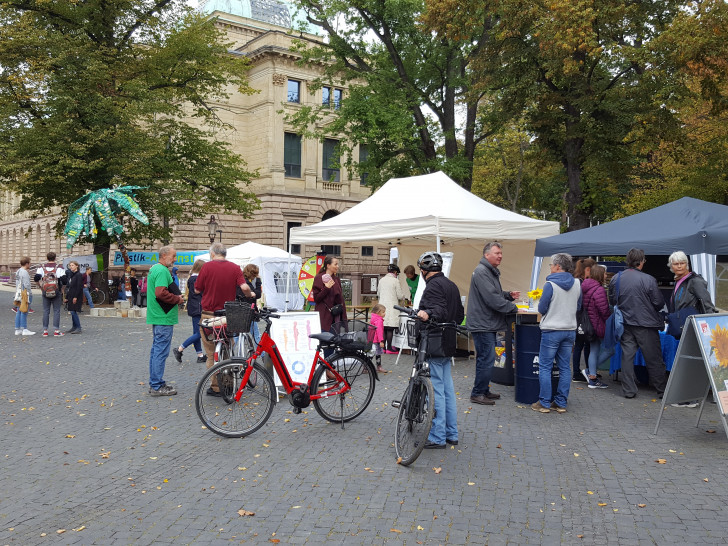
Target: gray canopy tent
698 228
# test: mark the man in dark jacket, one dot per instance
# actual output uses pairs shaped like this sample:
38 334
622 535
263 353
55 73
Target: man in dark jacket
441 303
640 301
488 305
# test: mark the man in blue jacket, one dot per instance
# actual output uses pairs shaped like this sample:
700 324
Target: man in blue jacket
560 301
488 305
640 301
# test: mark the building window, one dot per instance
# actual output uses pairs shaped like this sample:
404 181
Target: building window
326 96
337 98
295 249
292 154
334 250
367 251
363 156
331 171
294 91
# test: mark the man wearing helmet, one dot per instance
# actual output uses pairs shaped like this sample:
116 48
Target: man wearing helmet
441 302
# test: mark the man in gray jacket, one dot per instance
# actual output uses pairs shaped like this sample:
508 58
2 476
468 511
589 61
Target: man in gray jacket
488 305
640 301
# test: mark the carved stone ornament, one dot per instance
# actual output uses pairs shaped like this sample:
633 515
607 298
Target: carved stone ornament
279 79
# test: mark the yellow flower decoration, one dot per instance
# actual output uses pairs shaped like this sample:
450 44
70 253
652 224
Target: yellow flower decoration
535 294
719 343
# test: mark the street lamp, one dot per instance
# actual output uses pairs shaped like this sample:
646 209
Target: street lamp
212 228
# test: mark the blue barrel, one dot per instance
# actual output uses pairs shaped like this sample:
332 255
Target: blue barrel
528 342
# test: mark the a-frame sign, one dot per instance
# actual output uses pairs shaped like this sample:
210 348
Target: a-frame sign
701 364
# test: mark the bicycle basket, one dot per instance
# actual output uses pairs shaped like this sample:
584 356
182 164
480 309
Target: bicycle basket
239 316
353 334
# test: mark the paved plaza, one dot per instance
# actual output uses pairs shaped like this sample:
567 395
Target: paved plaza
88 457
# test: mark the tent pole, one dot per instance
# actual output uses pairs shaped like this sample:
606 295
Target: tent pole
288 278
437 233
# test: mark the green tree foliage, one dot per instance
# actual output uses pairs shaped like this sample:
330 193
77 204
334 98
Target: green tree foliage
408 96
118 92
577 69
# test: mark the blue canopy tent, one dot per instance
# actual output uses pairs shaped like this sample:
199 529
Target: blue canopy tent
698 228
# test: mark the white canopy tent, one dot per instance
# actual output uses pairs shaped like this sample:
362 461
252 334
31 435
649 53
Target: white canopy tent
278 272
432 212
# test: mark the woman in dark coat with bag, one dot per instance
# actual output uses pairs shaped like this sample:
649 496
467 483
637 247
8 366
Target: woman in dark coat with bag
74 296
594 300
690 290
327 294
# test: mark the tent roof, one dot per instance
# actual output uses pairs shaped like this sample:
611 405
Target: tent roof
421 207
688 224
250 250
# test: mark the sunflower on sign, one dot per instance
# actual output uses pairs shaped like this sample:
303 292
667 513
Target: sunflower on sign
719 343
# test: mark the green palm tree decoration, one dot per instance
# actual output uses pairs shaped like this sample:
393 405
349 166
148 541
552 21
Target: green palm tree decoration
105 205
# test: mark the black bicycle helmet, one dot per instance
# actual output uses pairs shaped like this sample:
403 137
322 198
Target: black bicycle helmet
392 268
430 261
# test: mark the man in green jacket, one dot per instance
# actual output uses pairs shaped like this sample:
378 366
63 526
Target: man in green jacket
162 315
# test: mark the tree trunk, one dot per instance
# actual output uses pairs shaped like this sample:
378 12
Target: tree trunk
578 219
103 249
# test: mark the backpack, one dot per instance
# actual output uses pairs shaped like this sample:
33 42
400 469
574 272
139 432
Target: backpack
584 326
49 282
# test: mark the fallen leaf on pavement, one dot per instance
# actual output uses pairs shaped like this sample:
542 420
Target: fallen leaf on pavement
705 479
399 460
395 531
242 512
711 431
437 469
661 461
641 505
601 504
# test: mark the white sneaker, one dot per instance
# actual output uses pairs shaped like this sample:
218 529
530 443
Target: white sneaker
27 332
18 331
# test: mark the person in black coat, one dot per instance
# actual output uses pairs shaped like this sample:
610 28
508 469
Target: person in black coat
74 296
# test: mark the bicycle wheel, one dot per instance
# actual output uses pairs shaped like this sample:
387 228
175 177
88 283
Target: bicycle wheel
98 297
414 420
235 419
222 350
359 373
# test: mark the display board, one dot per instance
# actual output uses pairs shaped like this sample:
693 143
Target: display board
290 332
701 365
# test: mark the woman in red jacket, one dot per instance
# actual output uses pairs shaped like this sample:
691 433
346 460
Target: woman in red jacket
594 300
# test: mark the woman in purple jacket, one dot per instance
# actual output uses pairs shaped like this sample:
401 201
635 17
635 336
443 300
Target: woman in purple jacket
594 300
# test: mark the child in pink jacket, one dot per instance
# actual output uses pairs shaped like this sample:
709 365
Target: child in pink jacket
377 336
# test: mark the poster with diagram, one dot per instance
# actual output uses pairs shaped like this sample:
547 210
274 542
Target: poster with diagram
290 332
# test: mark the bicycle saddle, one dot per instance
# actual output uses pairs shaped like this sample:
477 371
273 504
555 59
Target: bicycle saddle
212 322
326 337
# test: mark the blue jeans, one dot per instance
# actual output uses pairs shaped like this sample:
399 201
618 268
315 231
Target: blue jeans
87 295
57 303
484 359
21 320
122 293
595 349
445 424
161 343
555 344
195 337
75 321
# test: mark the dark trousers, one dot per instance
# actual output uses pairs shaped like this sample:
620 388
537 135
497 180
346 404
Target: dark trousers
580 345
648 340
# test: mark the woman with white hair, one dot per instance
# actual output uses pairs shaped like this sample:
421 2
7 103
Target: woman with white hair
690 290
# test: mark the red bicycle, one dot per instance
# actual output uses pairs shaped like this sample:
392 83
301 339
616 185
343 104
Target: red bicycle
236 397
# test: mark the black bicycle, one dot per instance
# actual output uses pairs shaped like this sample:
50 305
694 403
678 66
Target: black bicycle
417 406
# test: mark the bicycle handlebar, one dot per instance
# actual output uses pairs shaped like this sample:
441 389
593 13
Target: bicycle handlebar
412 313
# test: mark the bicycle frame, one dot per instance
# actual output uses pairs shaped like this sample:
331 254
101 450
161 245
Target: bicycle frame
267 345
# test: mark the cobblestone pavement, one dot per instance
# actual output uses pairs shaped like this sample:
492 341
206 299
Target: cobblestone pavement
85 449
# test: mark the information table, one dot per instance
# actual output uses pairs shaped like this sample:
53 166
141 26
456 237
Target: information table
503 371
669 347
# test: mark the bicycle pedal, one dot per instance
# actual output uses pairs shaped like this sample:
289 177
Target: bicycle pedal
396 403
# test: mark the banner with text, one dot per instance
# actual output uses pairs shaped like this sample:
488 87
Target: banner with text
151 258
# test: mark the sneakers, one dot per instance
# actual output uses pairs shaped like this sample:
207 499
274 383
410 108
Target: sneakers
536 406
77 331
212 392
31 311
433 445
202 359
579 378
58 333
177 354
164 390
685 405
15 309
27 332
18 331
45 333
596 384
558 409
